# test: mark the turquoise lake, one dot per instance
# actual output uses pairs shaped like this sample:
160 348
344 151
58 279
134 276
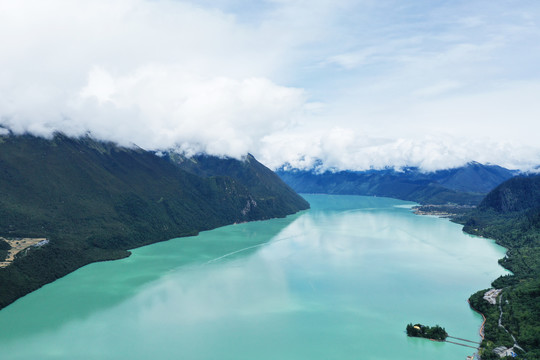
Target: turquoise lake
340 281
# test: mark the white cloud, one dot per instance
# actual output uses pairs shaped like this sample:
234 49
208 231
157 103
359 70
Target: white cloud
344 149
356 84
158 74
163 107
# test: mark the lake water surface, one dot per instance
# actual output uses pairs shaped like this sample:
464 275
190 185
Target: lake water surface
340 281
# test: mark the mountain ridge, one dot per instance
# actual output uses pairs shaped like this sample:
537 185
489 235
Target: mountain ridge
95 200
464 185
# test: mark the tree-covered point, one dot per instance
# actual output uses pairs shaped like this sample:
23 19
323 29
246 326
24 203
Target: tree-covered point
96 200
429 332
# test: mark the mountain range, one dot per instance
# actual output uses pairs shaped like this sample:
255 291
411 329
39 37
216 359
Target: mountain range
464 185
94 201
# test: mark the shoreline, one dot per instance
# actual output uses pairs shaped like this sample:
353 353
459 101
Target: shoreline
449 212
443 211
481 330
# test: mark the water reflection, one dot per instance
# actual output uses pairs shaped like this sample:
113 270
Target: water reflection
327 284
100 286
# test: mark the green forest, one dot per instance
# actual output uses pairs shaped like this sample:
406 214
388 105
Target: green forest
429 332
4 248
510 214
94 201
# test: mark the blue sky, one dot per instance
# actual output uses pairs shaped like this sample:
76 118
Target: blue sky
356 84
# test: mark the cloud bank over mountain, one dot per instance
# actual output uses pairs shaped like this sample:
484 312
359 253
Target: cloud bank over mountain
354 84
160 107
341 149
156 74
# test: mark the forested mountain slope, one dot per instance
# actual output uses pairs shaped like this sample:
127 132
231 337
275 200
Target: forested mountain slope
510 214
261 182
95 200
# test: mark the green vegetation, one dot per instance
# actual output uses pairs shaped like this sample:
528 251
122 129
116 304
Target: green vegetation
429 332
493 334
510 214
262 183
4 248
95 201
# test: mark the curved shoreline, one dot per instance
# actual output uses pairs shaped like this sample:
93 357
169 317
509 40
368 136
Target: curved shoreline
481 330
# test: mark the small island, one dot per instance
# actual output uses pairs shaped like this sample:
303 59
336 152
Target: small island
429 332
